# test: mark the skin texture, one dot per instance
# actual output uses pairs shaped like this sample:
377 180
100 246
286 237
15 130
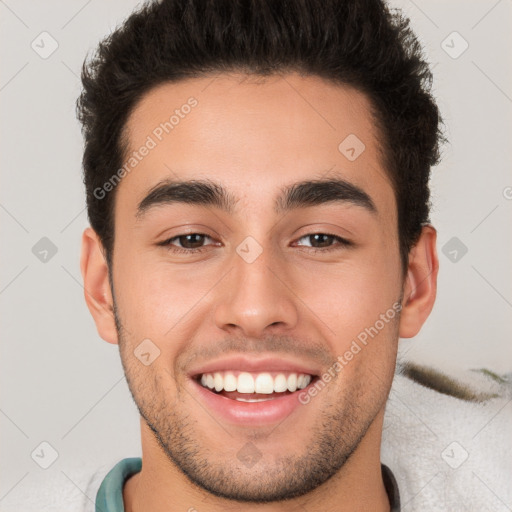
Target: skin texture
255 136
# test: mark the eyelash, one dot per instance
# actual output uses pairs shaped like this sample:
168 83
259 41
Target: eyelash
342 243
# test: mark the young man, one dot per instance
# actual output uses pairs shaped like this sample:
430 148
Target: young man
257 187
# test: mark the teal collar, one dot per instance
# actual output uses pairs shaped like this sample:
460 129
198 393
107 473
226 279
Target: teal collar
110 493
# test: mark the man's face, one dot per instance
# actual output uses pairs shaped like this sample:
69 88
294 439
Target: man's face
269 285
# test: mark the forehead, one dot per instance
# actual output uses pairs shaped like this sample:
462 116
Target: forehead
253 135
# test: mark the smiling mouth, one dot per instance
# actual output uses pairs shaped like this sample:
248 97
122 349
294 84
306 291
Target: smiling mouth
254 386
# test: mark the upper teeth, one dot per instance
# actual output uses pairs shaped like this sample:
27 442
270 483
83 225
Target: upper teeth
247 382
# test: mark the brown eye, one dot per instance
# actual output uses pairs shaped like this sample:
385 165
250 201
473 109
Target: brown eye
319 241
187 243
192 241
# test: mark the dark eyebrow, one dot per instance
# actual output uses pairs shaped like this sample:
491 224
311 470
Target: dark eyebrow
317 192
297 195
198 192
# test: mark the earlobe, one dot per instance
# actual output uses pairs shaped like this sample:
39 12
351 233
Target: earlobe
98 296
420 285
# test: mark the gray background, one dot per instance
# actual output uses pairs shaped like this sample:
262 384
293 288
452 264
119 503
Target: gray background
60 382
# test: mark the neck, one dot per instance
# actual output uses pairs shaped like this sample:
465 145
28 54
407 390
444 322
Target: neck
161 486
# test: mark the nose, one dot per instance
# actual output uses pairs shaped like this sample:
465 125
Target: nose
256 296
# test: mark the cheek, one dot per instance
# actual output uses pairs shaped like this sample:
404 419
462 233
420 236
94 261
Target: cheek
154 299
351 298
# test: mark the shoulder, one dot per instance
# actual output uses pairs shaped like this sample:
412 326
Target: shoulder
447 439
56 489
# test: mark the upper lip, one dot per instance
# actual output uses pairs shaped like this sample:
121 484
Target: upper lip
247 364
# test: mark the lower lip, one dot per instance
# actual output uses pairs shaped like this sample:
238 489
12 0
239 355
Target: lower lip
249 413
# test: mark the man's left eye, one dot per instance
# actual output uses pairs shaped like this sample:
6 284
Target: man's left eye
324 241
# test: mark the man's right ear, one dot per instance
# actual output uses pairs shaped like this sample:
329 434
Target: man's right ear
97 291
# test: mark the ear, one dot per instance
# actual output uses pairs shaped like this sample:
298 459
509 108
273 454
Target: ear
98 295
420 284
